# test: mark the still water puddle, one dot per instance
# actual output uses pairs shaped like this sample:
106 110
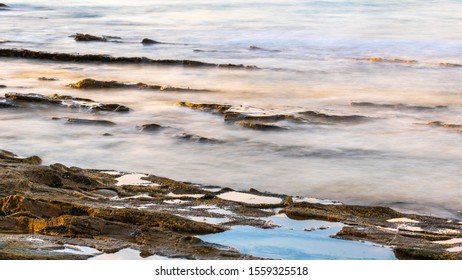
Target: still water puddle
291 241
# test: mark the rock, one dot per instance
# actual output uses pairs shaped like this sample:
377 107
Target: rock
31 98
107 134
9 157
153 127
316 117
80 37
2 86
214 108
47 79
389 60
238 116
396 106
63 100
147 41
198 139
445 125
4 7
260 126
69 205
90 122
95 84
97 58
446 64
4 103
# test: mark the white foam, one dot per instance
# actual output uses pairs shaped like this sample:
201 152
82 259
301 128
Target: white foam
403 220
111 172
134 179
132 197
448 231
249 198
455 249
208 220
185 195
315 200
78 250
410 228
450 241
175 201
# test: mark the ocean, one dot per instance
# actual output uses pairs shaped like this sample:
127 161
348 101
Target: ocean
397 64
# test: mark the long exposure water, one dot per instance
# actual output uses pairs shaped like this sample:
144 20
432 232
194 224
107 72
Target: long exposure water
313 56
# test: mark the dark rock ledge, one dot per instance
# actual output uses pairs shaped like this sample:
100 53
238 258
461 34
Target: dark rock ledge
69 205
95 84
98 58
13 99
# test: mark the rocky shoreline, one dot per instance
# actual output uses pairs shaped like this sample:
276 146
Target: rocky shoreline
109 210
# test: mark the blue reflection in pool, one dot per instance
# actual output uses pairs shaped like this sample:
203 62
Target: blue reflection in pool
292 242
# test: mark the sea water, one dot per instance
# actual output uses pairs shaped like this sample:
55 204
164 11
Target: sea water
312 55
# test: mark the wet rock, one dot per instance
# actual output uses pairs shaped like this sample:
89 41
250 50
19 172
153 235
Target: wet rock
2 86
81 37
197 138
95 84
396 106
255 48
107 134
9 157
4 103
63 100
47 79
97 58
389 60
31 98
214 108
457 127
147 41
238 116
69 205
317 117
153 127
4 7
90 122
446 64
260 126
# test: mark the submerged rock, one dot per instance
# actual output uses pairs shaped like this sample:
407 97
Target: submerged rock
447 64
457 127
389 60
313 116
153 127
260 126
90 122
47 79
197 138
98 58
81 37
396 106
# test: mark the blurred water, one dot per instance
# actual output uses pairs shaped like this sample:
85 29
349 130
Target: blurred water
309 56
